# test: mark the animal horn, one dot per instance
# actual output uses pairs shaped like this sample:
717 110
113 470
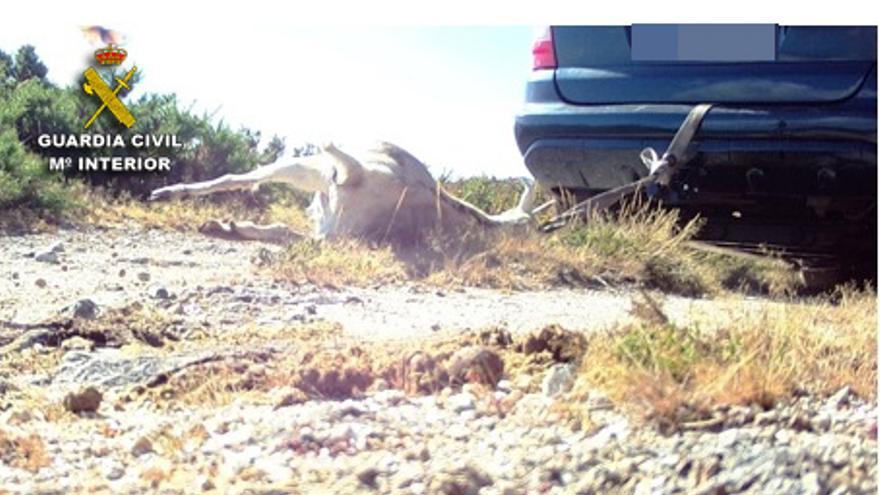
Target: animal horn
346 169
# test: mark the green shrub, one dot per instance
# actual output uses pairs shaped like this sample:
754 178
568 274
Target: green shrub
30 105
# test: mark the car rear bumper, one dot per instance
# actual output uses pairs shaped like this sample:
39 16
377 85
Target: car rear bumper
778 166
777 150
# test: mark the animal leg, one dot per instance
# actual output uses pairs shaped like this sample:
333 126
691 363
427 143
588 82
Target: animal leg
310 173
249 231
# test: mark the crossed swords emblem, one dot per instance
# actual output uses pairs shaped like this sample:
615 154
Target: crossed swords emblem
95 85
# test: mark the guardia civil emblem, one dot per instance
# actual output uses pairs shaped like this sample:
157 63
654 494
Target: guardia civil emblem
109 56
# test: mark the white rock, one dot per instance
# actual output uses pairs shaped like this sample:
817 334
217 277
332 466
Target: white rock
276 467
47 257
728 438
559 379
616 430
839 399
458 432
810 483
85 309
112 469
461 402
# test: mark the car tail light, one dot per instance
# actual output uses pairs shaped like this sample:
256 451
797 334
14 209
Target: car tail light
543 56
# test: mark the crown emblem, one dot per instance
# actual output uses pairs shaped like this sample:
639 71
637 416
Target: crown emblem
111 55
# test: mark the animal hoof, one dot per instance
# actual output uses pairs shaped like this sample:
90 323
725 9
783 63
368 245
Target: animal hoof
170 192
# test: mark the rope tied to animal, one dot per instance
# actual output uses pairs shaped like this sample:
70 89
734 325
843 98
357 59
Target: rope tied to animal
660 169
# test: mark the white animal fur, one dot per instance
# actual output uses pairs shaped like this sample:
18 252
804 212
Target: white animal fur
385 194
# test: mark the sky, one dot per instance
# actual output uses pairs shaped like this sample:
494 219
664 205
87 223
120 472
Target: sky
353 71
447 94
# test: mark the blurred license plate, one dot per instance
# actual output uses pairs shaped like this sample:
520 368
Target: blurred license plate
703 42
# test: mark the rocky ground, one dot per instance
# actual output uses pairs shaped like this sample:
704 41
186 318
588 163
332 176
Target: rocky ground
146 361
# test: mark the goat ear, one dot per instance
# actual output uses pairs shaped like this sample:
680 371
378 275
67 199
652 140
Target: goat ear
347 171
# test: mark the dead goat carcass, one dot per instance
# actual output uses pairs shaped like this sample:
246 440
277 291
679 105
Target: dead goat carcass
384 195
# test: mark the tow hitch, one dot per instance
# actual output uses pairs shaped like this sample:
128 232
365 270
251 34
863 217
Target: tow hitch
660 170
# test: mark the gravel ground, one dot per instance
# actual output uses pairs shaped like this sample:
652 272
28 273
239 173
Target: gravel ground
506 440
116 267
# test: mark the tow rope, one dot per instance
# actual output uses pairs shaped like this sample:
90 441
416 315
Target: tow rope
660 170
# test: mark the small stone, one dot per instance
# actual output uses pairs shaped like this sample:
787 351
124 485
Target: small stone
472 388
839 457
77 343
41 283
143 276
114 471
161 293
58 247
871 430
783 437
291 398
85 309
839 399
766 418
378 385
465 480
458 432
461 402
728 438
207 484
559 379
141 447
122 272
811 484
14 275
800 422
20 417
87 400
368 476
476 364
523 382
424 454
47 257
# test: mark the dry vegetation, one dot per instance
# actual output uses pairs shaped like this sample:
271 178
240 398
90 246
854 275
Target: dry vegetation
659 372
26 452
188 214
672 374
638 245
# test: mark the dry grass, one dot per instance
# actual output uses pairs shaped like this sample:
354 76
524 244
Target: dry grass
672 374
26 452
641 245
638 245
190 213
319 363
339 262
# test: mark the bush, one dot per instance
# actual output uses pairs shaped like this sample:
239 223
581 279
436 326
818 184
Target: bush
26 183
30 105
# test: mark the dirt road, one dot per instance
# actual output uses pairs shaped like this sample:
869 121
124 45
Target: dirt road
214 280
191 333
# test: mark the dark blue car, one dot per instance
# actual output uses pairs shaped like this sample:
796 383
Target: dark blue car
787 156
